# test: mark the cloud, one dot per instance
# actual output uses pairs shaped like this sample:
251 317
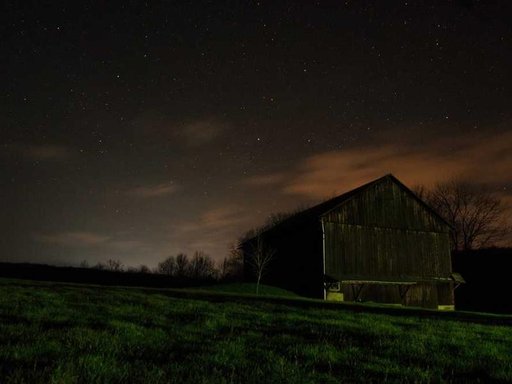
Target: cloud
157 190
84 239
192 132
201 132
264 180
73 239
39 152
212 231
216 219
126 245
220 217
486 159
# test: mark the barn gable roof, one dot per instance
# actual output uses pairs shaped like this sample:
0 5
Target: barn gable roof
317 211
389 176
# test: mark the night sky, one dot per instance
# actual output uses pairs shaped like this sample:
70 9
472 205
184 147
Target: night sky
137 130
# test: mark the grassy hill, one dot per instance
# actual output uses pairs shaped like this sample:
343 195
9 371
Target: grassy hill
247 289
64 333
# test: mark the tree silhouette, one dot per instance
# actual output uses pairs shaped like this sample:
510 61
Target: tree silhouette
201 266
232 266
182 265
114 265
260 258
476 215
167 267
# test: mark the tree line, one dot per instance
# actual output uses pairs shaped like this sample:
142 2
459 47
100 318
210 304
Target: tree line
198 267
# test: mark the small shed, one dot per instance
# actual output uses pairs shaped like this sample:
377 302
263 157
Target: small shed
377 243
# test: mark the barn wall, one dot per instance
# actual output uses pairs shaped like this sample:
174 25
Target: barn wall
385 252
385 233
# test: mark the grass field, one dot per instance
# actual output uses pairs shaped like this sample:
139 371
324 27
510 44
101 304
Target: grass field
247 288
60 333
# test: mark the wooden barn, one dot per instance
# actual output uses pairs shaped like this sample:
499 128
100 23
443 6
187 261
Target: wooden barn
377 243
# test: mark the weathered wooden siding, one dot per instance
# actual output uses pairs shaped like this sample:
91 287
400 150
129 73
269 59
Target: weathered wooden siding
387 205
384 252
385 233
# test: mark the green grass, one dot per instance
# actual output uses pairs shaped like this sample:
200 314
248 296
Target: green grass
62 333
249 289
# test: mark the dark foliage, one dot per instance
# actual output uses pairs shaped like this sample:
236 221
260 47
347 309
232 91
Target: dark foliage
487 275
201 267
272 221
232 267
167 267
97 276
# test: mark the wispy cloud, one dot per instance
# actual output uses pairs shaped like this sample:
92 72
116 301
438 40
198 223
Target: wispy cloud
485 159
264 180
85 239
125 245
220 217
212 231
217 218
191 132
40 152
201 131
73 239
155 190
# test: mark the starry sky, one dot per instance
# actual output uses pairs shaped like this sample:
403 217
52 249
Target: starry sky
135 130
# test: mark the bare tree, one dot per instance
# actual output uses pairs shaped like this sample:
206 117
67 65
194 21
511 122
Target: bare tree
232 266
260 258
182 265
144 269
421 191
114 265
201 266
476 215
84 264
99 266
168 266
140 269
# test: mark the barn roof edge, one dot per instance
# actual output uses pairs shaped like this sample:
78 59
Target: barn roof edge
327 206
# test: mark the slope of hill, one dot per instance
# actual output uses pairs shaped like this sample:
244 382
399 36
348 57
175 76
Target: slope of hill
247 288
90 334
